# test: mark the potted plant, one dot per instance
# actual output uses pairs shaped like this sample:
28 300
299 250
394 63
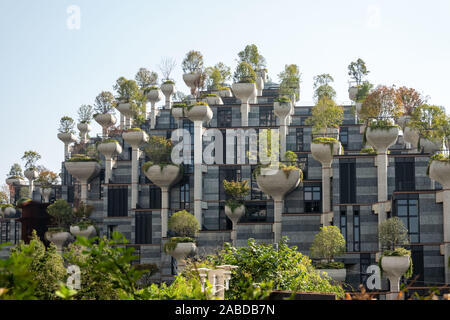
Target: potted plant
234 206
85 113
395 260
7 210
428 121
166 67
225 92
168 89
184 226
61 213
66 133
357 70
135 137
178 110
217 76
290 81
47 179
244 85
282 106
328 244
212 99
30 158
192 66
15 175
145 79
104 110
379 110
109 148
199 111
83 226
83 168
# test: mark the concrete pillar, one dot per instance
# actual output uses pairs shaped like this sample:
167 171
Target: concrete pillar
278 205
122 122
326 189
153 114
135 153
164 211
382 163
245 109
198 181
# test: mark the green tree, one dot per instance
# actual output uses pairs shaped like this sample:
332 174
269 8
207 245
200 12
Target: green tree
31 157
85 113
290 81
252 56
244 73
61 213
322 87
104 103
184 224
328 243
430 122
66 125
146 78
392 234
193 62
217 76
357 70
15 171
325 114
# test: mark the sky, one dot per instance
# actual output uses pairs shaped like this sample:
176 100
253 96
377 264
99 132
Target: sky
52 59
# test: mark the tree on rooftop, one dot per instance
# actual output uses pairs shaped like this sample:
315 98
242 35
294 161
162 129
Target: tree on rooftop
31 157
252 56
104 103
322 87
217 76
290 81
357 70
85 113
166 67
146 78
66 125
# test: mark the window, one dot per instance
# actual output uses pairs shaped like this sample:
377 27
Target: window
155 197
266 117
408 211
404 174
312 199
185 194
343 137
4 231
224 118
347 180
117 201
143 228
343 224
299 139
418 263
356 230
189 126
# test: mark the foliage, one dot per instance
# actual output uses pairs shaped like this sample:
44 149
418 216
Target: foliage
23 201
180 289
429 121
322 87
166 67
363 91
398 252
159 150
31 157
381 103
201 103
290 81
106 268
325 114
287 268
184 224
128 92
66 125
85 113
357 70
369 150
4 198
244 73
237 190
170 245
146 78
328 243
217 76
15 171
46 266
330 265
82 215
61 213
104 103
409 99
193 62
282 99
251 56
392 233
47 179
81 158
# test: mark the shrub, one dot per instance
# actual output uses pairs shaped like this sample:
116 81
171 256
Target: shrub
282 99
169 82
325 114
61 213
66 125
82 215
85 113
237 190
81 158
159 150
104 103
290 81
193 62
244 73
392 233
328 243
184 224
47 179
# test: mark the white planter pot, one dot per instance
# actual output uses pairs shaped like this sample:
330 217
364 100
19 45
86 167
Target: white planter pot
178 113
135 138
411 136
84 128
154 95
9 212
58 239
429 146
352 92
244 91
182 251
31 174
394 268
235 215
324 152
335 274
106 120
168 89
382 139
125 109
83 171
67 137
45 193
225 93
200 113
440 171
277 184
282 110
15 182
214 101
165 177
89 232
109 149
191 80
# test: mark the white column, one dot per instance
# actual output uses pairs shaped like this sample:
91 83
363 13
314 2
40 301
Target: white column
83 197
164 211
446 225
277 218
283 134
153 114
122 121
134 176
66 151
108 169
326 189
244 114
382 162
198 181
31 187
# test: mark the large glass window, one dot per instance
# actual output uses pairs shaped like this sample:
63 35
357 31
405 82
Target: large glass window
343 137
347 179
224 117
266 117
299 139
117 201
356 230
155 197
404 174
143 228
185 194
408 211
312 199
343 224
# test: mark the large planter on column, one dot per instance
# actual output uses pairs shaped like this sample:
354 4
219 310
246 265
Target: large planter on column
244 91
83 171
181 251
164 176
135 137
278 184
109 149
45 193
84 129
154 95
168 89
67 138
213 99
382 138
199 112
127 112
87 232
58 238
225 92
192 80
411 136
430 146
31 174
178 111
338 275
236 214
439 170
323 149
282 109
15 181
106 120
395 267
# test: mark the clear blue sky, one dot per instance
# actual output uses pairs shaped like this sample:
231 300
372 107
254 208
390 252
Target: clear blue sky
48 70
